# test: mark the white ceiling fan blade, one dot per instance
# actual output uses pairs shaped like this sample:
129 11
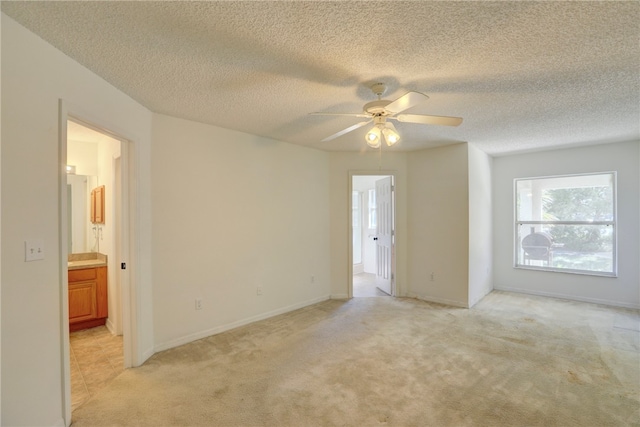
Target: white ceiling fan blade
429 120
340 114
347 130
406 101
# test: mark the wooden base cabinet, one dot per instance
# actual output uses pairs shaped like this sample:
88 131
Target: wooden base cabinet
87 298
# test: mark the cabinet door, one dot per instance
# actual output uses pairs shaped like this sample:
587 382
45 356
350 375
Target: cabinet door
97 205
82 301
101 293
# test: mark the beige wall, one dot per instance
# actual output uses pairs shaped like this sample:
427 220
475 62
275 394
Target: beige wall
438 224
34 77
232 212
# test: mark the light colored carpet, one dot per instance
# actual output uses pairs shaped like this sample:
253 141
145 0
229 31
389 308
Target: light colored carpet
512 360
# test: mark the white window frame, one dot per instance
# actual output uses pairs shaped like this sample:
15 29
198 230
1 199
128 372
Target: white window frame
612 223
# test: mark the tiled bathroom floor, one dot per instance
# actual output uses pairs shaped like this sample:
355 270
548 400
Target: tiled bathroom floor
96 359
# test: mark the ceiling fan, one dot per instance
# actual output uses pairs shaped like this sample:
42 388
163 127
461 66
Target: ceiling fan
380 111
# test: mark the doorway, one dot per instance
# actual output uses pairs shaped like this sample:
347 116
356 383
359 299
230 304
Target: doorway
372 235
96 348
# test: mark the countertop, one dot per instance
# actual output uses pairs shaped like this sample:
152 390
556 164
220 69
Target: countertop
86 260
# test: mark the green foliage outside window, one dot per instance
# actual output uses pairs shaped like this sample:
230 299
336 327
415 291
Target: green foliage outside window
580 204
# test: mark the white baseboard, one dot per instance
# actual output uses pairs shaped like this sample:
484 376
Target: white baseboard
339 296
439 300
358 268
567 297
146 355
110 327
480 297
223 328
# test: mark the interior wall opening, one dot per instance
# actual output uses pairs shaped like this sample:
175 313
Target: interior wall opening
372 236
94 244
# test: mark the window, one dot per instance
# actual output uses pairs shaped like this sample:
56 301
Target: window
356 215
372 209
566 223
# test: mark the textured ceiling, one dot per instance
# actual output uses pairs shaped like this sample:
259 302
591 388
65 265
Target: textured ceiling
523 75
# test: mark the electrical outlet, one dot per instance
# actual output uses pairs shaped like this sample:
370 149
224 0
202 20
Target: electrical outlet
259 290
198 303
433 277
313 279
33 249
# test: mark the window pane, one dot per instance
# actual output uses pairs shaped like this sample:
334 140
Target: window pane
372 209
567 223
587 248
355 209
569 198
356 212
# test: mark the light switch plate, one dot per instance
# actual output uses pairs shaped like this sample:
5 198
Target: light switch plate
33 249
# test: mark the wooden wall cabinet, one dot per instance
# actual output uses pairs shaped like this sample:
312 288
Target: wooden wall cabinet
97 205
87 298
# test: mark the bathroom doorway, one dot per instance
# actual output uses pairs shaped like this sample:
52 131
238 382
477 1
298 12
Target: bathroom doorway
372 254
94 246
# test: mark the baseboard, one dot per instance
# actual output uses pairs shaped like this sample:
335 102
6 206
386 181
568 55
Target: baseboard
480 297
358 268
567 297
223 328
339 296
439 300
60 423
110 327
146 355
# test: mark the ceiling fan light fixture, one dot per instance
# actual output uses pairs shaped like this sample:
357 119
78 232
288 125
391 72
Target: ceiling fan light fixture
373 137
390 136
382 110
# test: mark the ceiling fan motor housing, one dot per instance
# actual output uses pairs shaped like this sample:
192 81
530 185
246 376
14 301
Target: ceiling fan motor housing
377 108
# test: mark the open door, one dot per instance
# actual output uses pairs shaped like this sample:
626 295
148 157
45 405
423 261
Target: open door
384 234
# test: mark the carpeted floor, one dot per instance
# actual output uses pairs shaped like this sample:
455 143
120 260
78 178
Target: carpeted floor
513 360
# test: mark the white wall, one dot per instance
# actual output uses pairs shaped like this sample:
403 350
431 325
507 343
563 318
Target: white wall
0 219
232 212
623 158
108 151
34 77
84 156
367 161
438 224
480 225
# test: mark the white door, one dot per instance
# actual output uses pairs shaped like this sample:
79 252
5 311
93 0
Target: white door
384 234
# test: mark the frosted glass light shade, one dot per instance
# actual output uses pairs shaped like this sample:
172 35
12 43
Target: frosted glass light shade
390 136
373 137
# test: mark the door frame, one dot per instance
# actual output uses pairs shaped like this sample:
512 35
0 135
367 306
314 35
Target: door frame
126 242
394 203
